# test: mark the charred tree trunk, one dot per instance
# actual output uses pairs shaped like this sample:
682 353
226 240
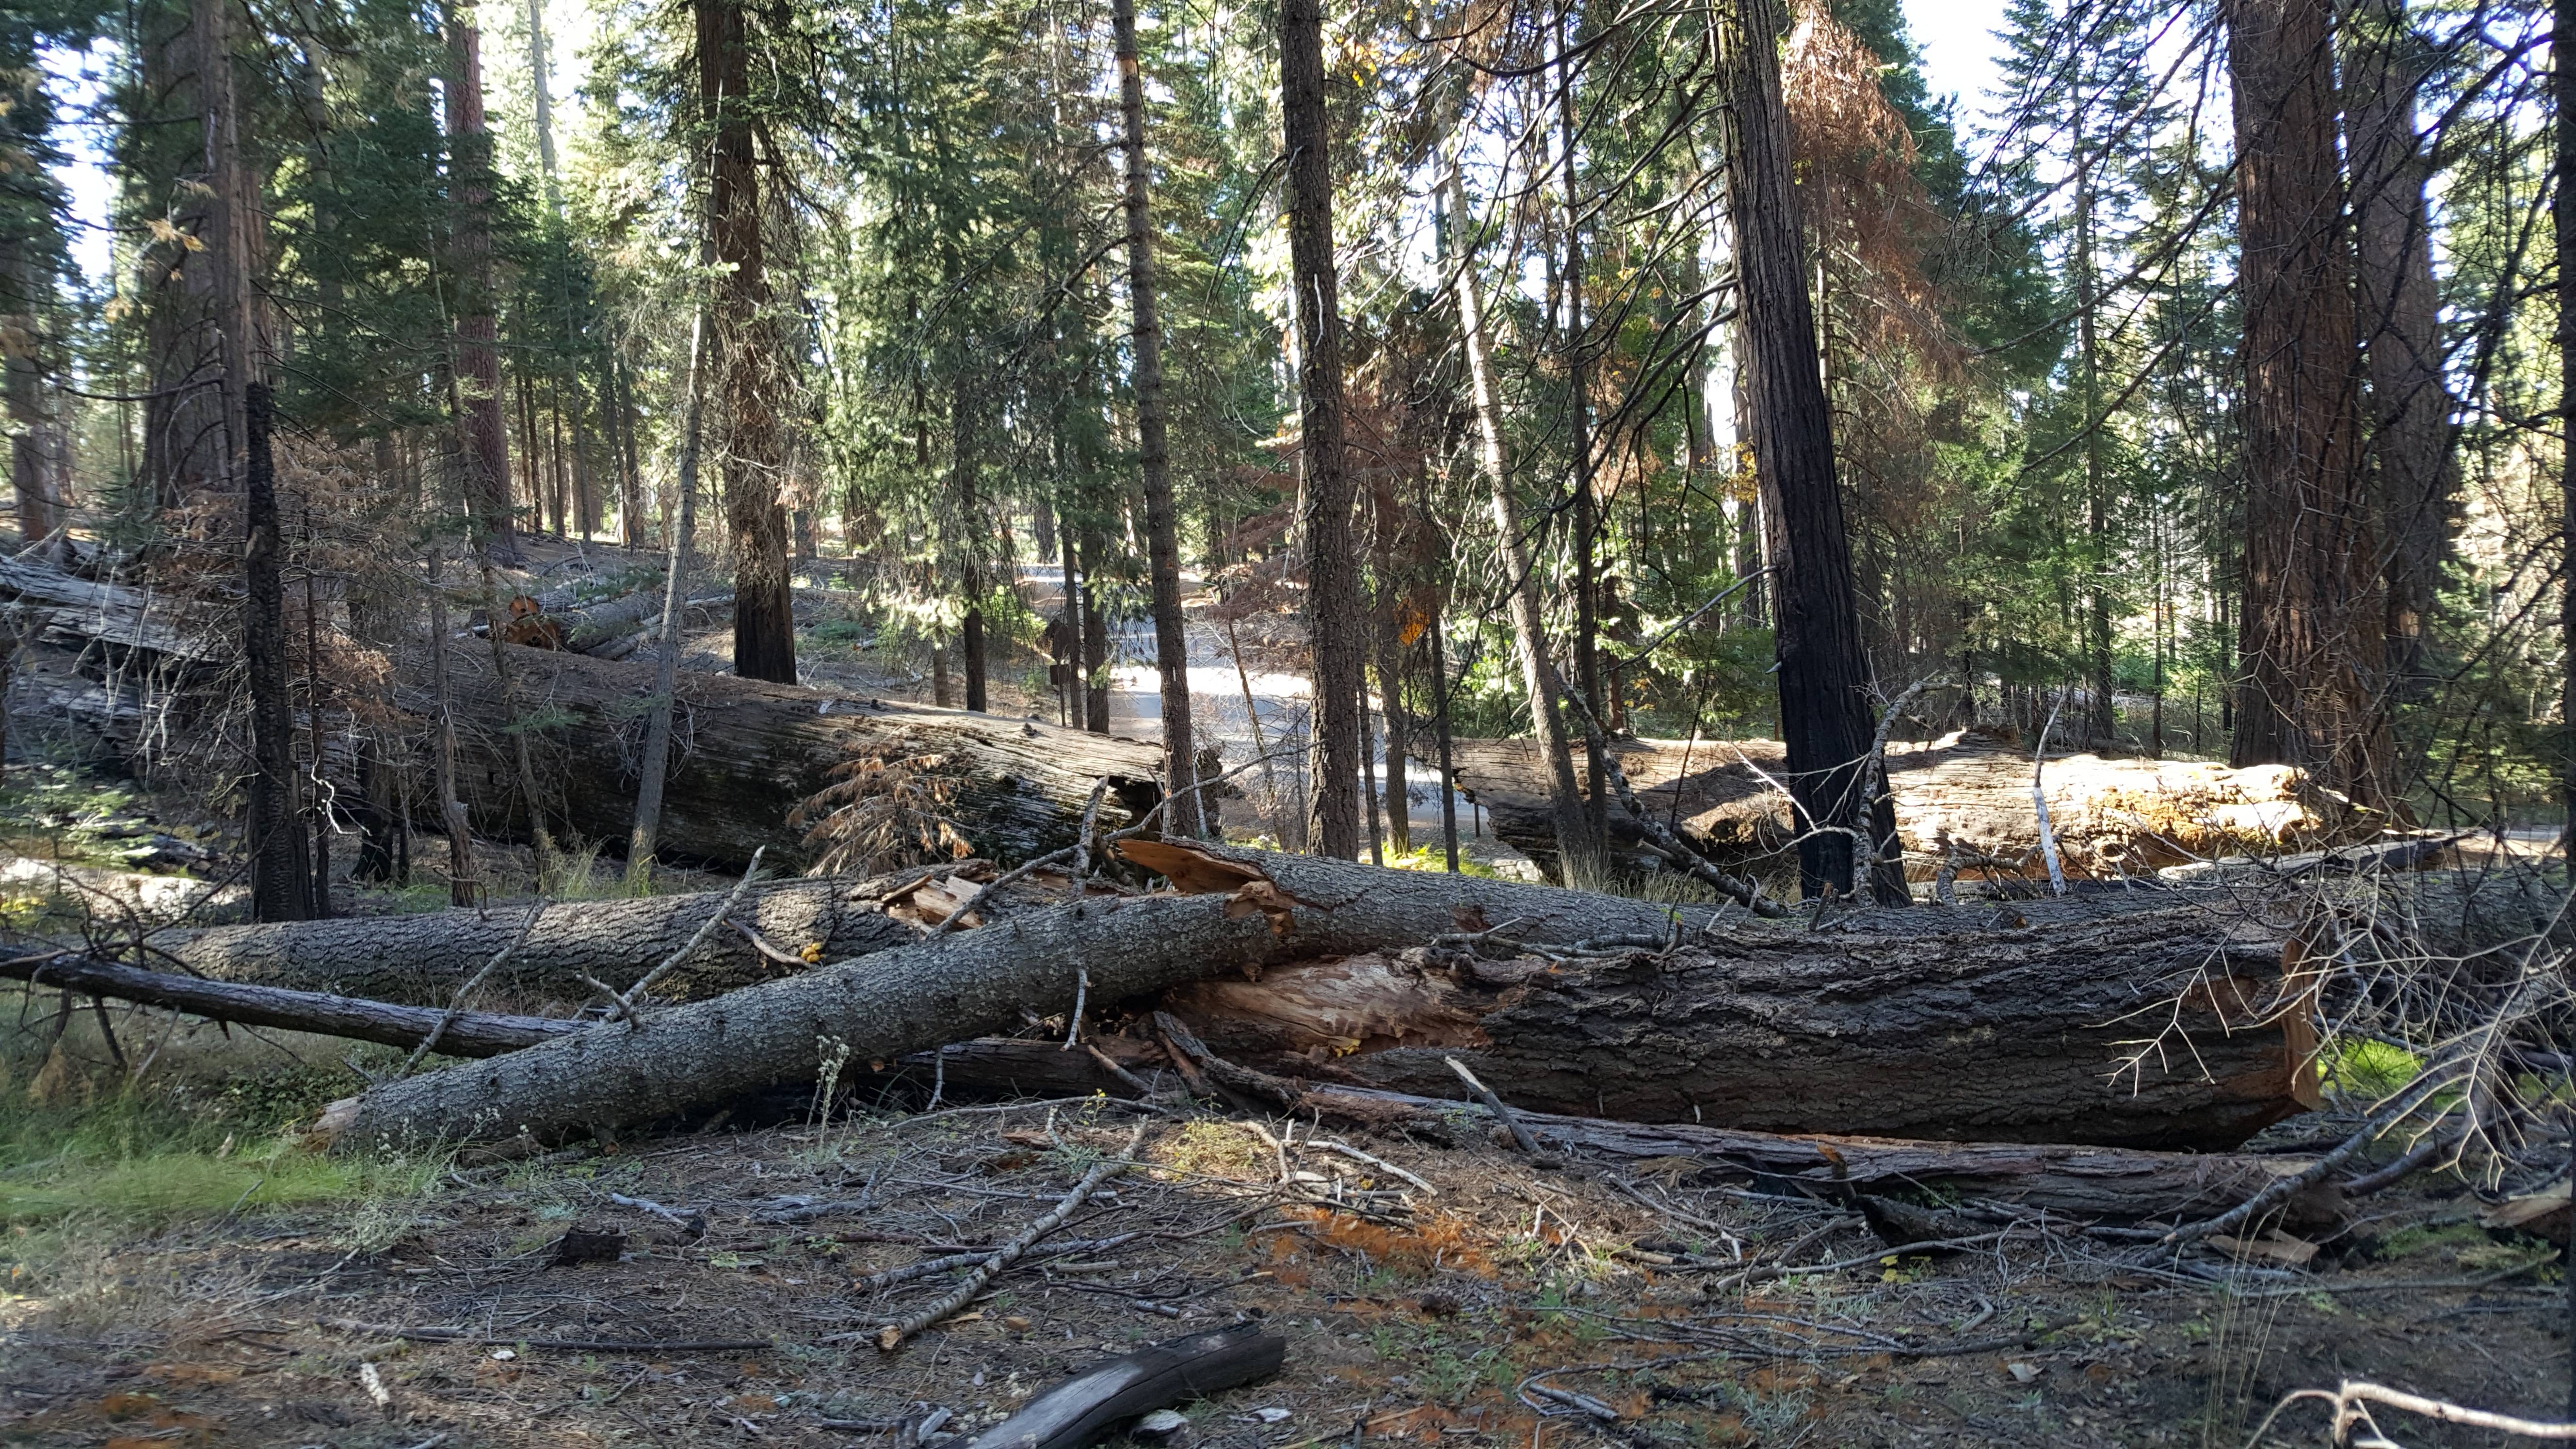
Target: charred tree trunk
2314 633
482 437
748 351
1824 672
281 880
1186 816
1332 567
973 524
1095 635
754 751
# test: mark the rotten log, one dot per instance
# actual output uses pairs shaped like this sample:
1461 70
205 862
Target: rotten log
1779 1048
2091 1182
465 1034
1254 910
422 959
1963 798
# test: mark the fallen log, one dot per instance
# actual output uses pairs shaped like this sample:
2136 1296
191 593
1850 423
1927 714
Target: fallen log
465 1034
1255 910
1678 1039
2092 1182
749 752
423 958
1176 1371
1963 799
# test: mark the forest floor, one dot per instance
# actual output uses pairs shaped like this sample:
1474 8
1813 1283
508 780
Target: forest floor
265 1298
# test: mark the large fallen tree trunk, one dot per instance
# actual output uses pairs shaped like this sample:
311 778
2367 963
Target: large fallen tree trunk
1962 800
1577 1036
423 958
464 1034
2094 1182
747 753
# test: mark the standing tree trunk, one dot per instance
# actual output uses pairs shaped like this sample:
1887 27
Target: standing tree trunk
2562 38
1386 626
1332 569
1824 673
970 504
748 352
1578 417
2314 633
1077 692
1575 841
1185 815
280 876
655 765
2410 405
482 438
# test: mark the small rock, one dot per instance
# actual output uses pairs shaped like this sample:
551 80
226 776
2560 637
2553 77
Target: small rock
505 1354
2022 1372
1271 1415
1163 1426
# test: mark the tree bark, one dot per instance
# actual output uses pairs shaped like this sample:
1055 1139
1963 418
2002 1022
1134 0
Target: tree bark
1162 526
482 437
2562 93
422 959
468 1034
1779 1028
749 352
1254 909
2314 631
1572 837
1578 416
1332 567
755 750
970 506
281 880
1823 670
2387 65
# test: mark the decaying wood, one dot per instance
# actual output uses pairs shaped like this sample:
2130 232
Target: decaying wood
2098 1183
747 752
1963 797
421 959
1175 1371
465 1034
1255 910
2147 1029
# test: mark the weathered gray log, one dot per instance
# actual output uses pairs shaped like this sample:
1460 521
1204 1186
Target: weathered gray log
2164 1029
422 959
602 628
74 611
748 752
1260 910
2113 1183
1176 1371
467 1034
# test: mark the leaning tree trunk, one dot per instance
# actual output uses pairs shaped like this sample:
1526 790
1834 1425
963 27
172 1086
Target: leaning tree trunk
1824 673
1162 538
1700 1038
2314 633
746 753
1332 571
422 959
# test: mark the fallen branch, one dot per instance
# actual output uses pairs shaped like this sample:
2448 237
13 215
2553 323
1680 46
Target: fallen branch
2350 1397
459 1034
891 1337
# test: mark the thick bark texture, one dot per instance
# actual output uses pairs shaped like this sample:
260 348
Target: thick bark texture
1824 673
1332 565
482 436
2125 1184
2387 64
2314 632
749 347
748 752
422 959
1962 804
281 882
467 1034
1250 909
1162 526
2159 1029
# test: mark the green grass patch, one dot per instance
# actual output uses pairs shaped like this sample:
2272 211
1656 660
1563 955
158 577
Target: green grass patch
2371 1069
1434 858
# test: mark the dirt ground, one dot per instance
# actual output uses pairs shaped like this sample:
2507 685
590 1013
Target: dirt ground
1495 1300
